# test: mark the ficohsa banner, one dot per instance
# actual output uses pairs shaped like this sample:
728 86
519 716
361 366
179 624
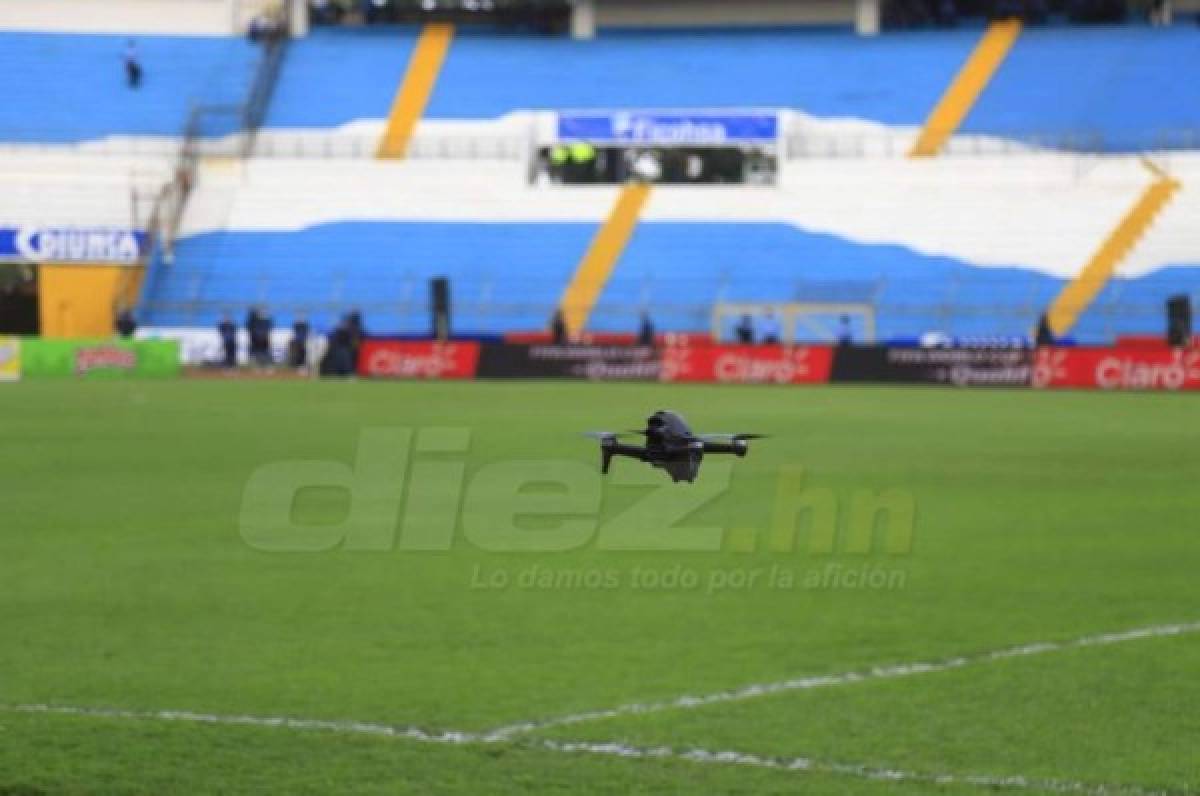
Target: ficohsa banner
1119 368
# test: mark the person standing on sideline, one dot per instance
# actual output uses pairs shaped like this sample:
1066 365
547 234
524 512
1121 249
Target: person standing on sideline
646 330
227 331
845 331
770 329
744 331
298 345
125 324
133 65
558 328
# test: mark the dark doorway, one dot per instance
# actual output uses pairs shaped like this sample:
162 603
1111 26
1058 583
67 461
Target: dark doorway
19 300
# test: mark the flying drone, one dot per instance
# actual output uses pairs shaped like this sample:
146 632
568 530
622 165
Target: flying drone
670 445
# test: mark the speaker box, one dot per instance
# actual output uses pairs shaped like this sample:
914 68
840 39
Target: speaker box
1179 320
439 302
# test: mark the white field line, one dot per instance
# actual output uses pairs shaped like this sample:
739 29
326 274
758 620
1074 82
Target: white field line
726 757
805 764
892 671
187 716
610 749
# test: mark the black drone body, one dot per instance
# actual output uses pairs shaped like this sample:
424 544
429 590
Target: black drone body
671 445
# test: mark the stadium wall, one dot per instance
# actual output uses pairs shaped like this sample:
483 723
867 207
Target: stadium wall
127 17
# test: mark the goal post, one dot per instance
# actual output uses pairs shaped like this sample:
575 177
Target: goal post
817 320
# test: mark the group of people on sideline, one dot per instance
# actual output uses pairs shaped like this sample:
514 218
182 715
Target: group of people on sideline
339 358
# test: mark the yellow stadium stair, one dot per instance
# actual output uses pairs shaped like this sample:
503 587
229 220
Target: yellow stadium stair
602 255
1077 296
966 87
416 89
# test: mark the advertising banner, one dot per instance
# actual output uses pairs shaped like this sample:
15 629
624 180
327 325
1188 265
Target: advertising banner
1120 368
72 244
10 358
594 362
99 358
669 128
745 364
402 359
961 367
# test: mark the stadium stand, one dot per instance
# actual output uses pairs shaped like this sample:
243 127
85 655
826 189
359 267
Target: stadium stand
975 256
53 188
970 247
1119 85
1125 102
65 88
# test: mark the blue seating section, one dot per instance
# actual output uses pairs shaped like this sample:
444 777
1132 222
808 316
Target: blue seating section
509 277
334 76
895 79
1125 85
1119 85
61 88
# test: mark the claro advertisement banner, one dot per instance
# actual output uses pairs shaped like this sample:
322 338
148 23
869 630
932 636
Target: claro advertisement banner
747 364
1133 368
404 359
1115 368
99 358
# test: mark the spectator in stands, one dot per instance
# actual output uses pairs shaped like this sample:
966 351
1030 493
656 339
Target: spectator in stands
744 331
647 167
558 328
133 65
125 323
298 345
1160 13
770 329
646 330
583 162
560 156
227 331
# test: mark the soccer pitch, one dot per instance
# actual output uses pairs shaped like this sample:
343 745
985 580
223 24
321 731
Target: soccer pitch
1026 615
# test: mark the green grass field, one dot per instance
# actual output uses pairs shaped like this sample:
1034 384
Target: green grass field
136 580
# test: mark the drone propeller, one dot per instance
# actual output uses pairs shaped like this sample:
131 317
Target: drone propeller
608 443
736 437
603 435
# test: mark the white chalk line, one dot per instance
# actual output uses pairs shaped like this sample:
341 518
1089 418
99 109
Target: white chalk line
806 764
187 716
725 757
888 672
609 749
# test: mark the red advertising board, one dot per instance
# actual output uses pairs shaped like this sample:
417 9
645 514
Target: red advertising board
745 364
1118 368
398 359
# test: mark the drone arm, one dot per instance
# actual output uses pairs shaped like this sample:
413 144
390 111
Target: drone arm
736 446
617 449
